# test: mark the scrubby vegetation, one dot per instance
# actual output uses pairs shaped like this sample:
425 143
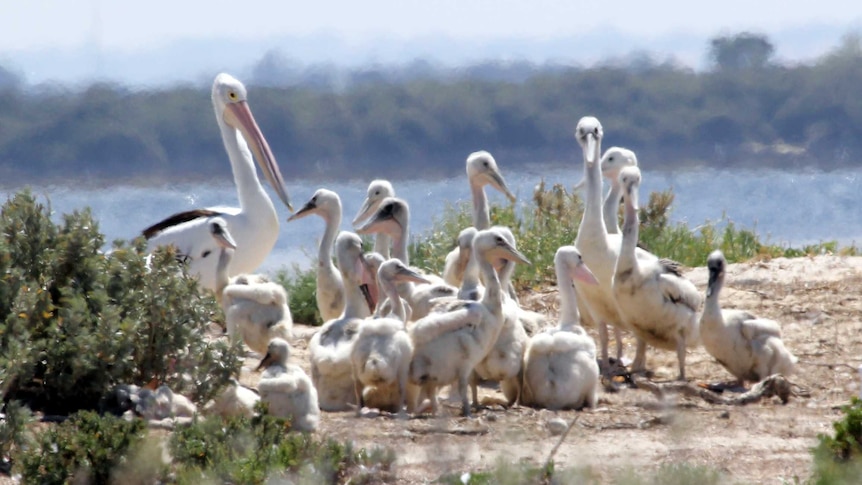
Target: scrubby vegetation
74 322
838 458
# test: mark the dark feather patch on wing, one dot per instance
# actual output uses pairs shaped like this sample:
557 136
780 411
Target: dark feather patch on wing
178 219
671 266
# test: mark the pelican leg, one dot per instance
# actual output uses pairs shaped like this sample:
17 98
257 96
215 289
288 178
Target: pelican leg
603 339
618 335
462 388
680 354
639 364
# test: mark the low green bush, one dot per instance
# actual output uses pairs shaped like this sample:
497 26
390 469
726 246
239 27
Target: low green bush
258 450
86 448
74 322
838 458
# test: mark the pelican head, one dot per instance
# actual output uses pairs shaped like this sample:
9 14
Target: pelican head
492 243
230 103
218 229
397 272
323 203
391 218
377 191
615 159
277 353
630 180
573 264
716 264
589 135
482 170
355 268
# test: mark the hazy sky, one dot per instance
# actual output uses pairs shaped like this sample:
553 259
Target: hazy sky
122 25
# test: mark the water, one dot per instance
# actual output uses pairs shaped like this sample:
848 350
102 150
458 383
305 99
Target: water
787 208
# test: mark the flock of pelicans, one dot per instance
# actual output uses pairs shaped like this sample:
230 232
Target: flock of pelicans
394 337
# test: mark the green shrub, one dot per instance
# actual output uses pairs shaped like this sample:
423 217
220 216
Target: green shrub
86 447
74 322
838 458
13 430
239 450
301 286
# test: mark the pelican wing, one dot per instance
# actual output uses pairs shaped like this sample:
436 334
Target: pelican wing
177 219
760 327
680 291
461 315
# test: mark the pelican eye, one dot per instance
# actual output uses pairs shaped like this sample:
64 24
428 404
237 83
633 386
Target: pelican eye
232 95
486 163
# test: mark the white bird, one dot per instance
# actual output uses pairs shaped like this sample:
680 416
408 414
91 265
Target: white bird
614 160
482 170
503 362
382 351
234 400
286 388
749 347
255 308
448 345
393 219
655 300
560 368
330 288
377 191
330 347
255 222
597 303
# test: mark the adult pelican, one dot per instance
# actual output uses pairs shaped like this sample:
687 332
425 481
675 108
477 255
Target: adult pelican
254 223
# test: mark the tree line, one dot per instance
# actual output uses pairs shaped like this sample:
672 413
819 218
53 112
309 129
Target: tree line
746 110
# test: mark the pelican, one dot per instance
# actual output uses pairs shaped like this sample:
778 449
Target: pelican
377 191
598 248
654 299
393 218
749 347
330 288
255 222
613 161
482 170
560 369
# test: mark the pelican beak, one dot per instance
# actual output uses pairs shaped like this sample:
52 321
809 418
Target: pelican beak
238 115
495 178
406 274
590 148
378 223
464 257
710 285
582 273
223 238
512 254
368 206
369 282
306 210
267 359
632 196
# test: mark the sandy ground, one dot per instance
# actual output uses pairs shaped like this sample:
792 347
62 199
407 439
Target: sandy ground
817 301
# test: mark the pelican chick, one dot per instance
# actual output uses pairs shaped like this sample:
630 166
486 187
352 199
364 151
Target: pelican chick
330 289
749 347
560 368
286 388
377 191
448 345
655 300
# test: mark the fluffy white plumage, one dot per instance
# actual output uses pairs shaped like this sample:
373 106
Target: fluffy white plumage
330 347
330 288
655 300
286 388
560 369
449 344
749 347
